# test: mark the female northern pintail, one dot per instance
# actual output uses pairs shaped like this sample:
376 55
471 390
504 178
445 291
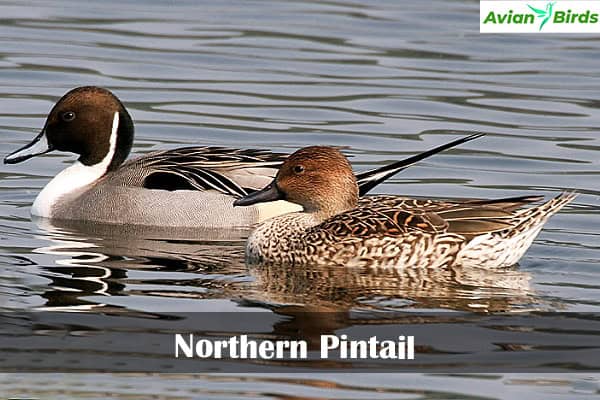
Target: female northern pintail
191 187
336 227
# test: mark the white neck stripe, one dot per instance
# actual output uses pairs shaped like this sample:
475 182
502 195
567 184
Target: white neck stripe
112 146
74 177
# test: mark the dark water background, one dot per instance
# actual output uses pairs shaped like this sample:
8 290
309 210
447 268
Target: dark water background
385 78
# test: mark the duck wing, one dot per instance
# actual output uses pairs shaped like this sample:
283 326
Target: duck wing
382 219
235 172
238 172
468 218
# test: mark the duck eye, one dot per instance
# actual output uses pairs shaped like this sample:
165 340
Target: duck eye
298 169
68 116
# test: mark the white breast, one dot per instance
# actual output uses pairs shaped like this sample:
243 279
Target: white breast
275 208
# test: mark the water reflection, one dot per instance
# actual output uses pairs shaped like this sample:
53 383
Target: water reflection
330 288
110 260
282 75
97 259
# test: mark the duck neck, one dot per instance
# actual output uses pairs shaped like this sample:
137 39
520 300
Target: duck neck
328 209
321 215
74 178
107 154
340 198
122 130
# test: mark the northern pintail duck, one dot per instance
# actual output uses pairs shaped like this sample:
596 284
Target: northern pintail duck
338 227
191 186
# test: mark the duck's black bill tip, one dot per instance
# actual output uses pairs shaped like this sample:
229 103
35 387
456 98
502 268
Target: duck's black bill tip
10 159
269 193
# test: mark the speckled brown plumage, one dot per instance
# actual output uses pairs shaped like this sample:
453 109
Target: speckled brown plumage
384 231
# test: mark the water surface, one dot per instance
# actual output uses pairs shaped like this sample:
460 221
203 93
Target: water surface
385 79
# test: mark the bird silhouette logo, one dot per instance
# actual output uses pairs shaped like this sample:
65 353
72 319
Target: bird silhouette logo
544 14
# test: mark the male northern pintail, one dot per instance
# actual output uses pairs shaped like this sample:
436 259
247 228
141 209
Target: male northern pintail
336 227
191 186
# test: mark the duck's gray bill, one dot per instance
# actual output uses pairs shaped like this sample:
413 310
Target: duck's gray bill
38 146
269 193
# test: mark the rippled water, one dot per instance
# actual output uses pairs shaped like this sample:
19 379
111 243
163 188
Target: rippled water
386 79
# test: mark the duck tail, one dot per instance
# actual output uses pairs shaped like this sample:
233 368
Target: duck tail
506 247
541 214
369 179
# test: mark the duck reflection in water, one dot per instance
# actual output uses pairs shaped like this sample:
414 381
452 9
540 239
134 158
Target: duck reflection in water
91 259
112 260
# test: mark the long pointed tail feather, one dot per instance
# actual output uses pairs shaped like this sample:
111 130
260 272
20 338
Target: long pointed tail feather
546 210
369 179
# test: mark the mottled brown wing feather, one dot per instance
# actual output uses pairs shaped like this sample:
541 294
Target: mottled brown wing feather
474 227
468 218
365 222
437 206
507 204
